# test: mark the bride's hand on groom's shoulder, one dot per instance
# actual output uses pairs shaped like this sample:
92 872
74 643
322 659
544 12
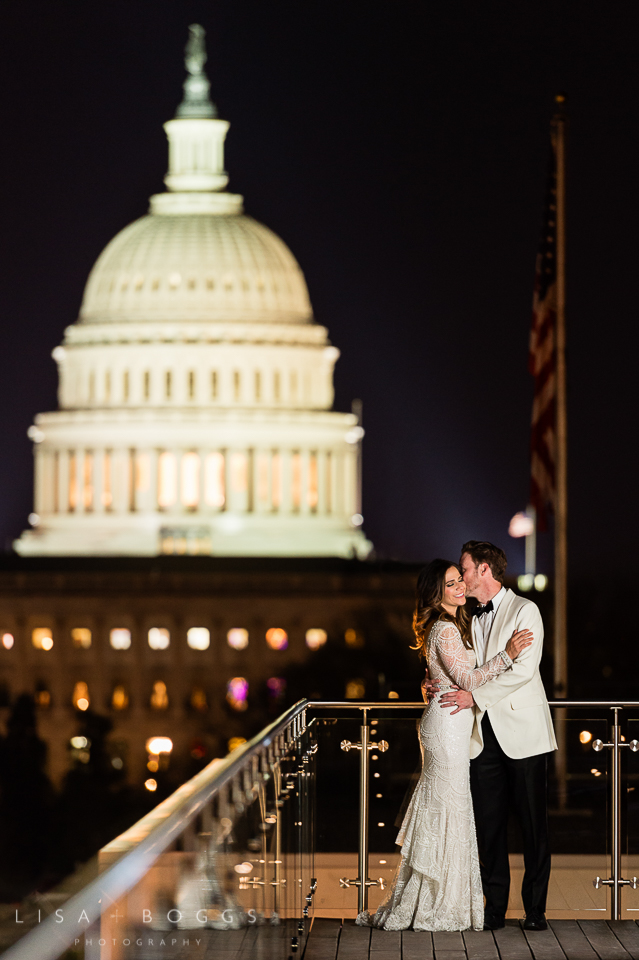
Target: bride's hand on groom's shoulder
520 641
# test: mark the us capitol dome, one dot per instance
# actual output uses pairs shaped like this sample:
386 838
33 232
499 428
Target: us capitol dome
195 389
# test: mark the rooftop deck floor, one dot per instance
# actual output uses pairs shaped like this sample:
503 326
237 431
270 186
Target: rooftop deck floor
337 940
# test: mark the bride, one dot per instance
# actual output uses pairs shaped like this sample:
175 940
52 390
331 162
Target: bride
438 885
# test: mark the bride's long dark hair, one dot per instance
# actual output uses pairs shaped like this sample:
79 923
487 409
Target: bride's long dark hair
428 607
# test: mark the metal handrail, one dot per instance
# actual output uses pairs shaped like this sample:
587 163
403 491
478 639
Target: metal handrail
158 829
151 836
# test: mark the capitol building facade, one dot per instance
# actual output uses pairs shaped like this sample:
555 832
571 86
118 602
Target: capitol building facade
196 542
195 388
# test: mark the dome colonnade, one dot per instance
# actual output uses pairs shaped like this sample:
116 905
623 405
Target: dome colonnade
195 389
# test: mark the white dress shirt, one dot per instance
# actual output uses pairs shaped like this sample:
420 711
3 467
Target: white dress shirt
483 626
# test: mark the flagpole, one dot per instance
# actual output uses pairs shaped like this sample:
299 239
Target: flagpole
561 451
561 465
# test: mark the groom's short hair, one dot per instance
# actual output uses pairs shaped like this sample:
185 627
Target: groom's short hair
482 551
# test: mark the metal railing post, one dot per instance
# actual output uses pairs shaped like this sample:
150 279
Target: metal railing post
616 881
362 890
615 913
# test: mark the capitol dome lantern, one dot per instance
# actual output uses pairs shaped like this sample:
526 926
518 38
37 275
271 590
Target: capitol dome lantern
195 389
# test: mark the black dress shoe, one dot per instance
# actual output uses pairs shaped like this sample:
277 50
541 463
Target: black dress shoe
493 921
535 921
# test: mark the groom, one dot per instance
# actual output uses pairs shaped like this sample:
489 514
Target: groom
511 738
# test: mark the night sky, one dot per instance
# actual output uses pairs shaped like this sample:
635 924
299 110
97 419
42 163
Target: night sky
400 150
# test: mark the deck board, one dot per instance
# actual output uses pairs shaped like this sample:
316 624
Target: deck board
323 939
603 940
417 945
386 944
480 945
511 942
573 940
544 944
627 932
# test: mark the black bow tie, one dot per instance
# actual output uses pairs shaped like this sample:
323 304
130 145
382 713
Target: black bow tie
480 611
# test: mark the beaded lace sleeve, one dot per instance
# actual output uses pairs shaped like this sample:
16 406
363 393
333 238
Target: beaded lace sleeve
445 645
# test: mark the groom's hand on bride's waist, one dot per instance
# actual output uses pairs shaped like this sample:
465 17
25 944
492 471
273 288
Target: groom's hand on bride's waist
458 699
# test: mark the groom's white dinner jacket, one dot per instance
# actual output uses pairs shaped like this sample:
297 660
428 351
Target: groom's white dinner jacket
515 700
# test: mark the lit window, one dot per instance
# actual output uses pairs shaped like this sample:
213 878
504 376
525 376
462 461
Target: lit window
214 493
355 690
119 698
198 699
237 693
262 478
159 697
81 637
159 638
81 696
42 698
238 638
73 483
312 494
354 638
87 481
7 640
296 480
120 638
198 638
42 638
167 480
239 472
276 480
277 638
315 638
190 469
276 687
107 495
142 473
157 745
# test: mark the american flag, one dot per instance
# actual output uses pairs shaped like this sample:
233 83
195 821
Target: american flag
541 359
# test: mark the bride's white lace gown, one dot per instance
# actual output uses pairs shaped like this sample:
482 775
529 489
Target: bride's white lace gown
438 884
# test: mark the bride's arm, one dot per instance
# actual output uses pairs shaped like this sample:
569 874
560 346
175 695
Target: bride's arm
454 658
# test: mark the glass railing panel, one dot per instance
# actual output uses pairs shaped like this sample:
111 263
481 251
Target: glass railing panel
236 876
579 818
630 815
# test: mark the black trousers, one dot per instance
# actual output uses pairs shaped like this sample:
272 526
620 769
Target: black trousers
501 786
